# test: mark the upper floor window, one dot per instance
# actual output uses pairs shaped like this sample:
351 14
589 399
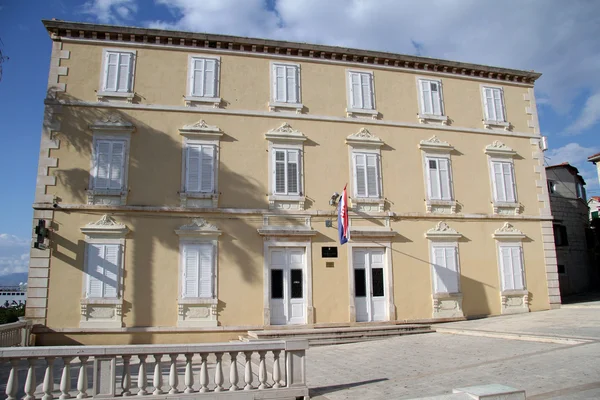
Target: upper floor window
103 266
560 235
431 97
494 109
109 164
551 186
203 81
286 171
439 185
361 90
366 175
285 83
580 190
503 181
117 73
199 168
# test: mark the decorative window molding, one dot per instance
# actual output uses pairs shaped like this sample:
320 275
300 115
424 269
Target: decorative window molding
445 271
110 156
514 296
437 175
494 108
201 148
360 93
269 229
365 169
101 304
286 89
431 101
502 178
203 82
286 144
198 297
118 75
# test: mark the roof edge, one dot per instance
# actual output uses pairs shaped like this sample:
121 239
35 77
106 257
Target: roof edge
59 28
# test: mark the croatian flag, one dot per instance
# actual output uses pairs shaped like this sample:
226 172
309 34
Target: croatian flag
343 218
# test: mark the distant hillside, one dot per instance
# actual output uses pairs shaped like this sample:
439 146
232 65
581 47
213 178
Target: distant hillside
13 279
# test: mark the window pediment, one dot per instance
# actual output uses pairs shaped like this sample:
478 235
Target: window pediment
499 149
364 138
508 232
435 144
112 123
105 226
198 227
201 130
442 231
285 133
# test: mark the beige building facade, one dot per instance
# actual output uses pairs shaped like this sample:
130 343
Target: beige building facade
188 179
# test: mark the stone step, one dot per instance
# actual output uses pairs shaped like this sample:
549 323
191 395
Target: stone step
327 336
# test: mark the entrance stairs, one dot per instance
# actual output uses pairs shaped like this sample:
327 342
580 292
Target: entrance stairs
338 335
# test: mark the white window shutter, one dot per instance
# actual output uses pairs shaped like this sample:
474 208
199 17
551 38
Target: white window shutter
207 169
517 264
279 83
293 172
279 178
367 91
210 77
435 98
112 263
95 270
488 100
111 72
205 271
117 164
292 84
434 178
439 265
360 168
507 171
192 181
507 268
190 271
444 169
355 91
498 182
198 77
425 96
452 281
125 62
372 175
102 167
498 105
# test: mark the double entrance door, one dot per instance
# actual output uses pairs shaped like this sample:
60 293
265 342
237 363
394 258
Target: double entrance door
370 299
287 285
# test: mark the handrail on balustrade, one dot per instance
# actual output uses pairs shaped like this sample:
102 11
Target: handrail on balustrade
22 330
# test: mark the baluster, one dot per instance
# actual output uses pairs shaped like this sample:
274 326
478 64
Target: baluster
233 373
157 382
13 380
82 381
218 373
276 370
189 375
203 374
126 378
48 385
65 379
262 371
141 379
173 380
248 370
30 380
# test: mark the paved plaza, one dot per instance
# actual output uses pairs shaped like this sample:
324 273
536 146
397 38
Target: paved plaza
552 355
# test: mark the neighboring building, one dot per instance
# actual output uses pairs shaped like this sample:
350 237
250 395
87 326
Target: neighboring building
187 181
572 233
596 160
594 205
13 295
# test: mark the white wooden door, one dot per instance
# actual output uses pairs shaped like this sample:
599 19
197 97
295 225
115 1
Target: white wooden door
370 297
287 285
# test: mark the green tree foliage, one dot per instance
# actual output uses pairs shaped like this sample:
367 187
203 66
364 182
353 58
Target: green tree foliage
11 313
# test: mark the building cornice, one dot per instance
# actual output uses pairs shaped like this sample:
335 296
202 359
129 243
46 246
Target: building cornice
111 33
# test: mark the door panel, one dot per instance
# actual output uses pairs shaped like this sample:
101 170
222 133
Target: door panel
287 297
369 285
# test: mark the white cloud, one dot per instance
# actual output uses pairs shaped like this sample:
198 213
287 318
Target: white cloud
14 254
561 42
110 11
589 116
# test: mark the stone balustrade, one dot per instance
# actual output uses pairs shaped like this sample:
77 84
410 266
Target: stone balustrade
269 369
15 334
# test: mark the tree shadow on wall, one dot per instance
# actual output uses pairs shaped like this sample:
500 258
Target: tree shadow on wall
154 166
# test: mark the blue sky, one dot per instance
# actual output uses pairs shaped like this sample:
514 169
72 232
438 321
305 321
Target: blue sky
544 35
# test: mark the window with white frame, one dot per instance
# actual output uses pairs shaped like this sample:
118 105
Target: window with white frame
503 181
431 97
286 171
199 168
118 71
580 190
198 270
285 86
511 267
203 77
366 175
446 274
109 164
103 271
439 186
493 104
360 90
